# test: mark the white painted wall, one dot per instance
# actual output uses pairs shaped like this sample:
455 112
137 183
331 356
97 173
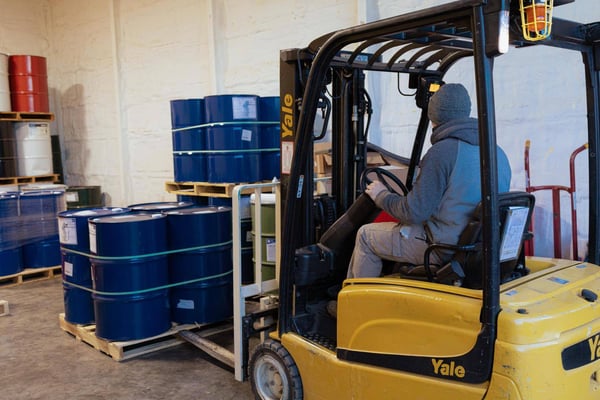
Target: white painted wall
114 65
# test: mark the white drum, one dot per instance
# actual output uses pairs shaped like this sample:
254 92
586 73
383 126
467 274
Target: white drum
34 148
4 84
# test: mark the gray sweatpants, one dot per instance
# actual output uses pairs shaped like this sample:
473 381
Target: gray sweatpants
389 241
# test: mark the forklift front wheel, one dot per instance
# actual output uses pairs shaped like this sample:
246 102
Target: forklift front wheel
273 373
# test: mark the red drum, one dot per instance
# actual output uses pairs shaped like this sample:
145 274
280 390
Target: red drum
28 79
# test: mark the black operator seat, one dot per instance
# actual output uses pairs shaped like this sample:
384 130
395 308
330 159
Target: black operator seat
465 267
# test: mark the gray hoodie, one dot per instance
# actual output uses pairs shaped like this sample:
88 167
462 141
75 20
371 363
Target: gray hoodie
448 187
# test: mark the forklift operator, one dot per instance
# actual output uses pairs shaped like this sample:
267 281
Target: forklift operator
444 196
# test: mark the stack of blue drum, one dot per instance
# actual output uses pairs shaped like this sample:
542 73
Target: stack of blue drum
226 139
148 265
11 258
29 230
76 268
39 210
205 234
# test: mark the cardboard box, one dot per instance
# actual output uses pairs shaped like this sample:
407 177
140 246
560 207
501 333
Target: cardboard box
322 147
374 159
323 184
324 161
399 171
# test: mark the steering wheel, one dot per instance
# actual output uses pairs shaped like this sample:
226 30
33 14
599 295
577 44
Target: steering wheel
380 173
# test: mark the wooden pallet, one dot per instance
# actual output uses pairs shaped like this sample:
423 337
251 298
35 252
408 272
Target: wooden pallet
25 116
4 308
16 180
125 350
29 275
203 189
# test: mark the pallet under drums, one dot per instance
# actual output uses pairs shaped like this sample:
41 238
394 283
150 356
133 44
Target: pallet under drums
30 275
125 350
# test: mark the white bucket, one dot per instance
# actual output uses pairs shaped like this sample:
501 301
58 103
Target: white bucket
4 84
34 148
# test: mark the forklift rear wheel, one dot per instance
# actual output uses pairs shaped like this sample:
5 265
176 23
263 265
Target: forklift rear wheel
273 373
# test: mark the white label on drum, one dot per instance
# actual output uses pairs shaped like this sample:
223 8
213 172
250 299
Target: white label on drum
37 130
72 197
271 247
68 268
246 135
185 304
67 231
244 107
92 229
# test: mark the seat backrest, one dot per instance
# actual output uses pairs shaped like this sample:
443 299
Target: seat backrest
515 209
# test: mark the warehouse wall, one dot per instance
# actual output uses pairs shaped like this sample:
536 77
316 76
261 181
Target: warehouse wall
114 65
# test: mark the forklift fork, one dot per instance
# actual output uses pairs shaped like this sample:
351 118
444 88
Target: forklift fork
556 189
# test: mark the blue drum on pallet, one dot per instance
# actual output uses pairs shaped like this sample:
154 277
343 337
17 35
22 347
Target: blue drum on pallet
233 138
270 139
206 234
246 233
189 140
39 228
196 200
129 275
160 206
74 238
11 261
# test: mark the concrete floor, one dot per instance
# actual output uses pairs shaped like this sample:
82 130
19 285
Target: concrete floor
38 360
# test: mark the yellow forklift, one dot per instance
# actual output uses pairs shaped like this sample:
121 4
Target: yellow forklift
492 323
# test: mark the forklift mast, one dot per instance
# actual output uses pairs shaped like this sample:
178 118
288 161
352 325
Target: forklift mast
423 45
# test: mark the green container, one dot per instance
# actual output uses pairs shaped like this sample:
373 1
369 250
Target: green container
267 236
83 197
267 210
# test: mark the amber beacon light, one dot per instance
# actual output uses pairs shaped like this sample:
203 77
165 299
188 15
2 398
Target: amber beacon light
536 18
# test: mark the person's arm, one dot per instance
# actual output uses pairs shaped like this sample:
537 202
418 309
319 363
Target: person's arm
428 190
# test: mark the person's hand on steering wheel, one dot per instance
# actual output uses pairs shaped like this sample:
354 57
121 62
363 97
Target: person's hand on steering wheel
374 188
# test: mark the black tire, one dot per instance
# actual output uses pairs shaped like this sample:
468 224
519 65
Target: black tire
273 373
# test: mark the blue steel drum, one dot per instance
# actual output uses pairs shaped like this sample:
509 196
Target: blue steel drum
246 232
195 200
206 234
233 141
74 235
270 138
247 265
160 206
190 166
39 228
11 260
129 275
189 140
187 112
233 168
